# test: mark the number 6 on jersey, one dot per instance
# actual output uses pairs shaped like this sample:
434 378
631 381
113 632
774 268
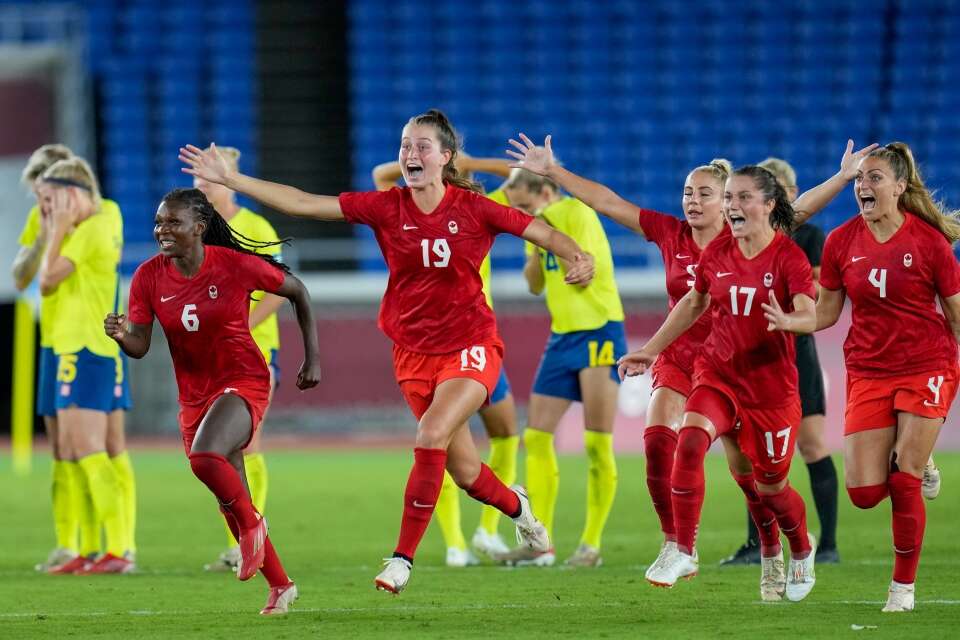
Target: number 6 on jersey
189 318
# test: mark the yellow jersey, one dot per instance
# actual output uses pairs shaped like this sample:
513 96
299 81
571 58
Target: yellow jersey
92 291
256 227
48 303
574 308
499 197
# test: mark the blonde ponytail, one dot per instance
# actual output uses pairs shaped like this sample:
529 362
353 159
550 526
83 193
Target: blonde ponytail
719 168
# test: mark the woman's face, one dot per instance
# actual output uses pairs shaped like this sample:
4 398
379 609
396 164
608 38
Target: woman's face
702 200
421 157
876 188
176 231
528 201
746 211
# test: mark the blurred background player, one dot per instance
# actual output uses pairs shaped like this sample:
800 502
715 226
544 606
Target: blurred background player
198 287
263 327
896 263
80 264
499 417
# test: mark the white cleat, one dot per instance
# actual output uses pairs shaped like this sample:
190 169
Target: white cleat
899 598
668 548
773 578
930 485
801 575
229 560
524 556
461 558
675 566
395 575
584 556
488 544
57 558
280 599
530 531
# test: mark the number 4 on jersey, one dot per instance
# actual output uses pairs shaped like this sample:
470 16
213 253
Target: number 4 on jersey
878 278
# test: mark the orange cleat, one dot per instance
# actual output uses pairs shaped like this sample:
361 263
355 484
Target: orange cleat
280 599
108 563
252 549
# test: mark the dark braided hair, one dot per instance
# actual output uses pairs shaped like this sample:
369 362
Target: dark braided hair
449 141
218 233
783 214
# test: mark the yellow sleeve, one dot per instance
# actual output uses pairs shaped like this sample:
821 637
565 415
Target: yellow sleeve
31 228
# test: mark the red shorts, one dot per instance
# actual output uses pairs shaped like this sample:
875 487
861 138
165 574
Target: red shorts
419 374
191 416
667 373
873 403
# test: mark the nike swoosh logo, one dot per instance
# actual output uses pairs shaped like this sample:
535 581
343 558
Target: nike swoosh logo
229 389
857 258
927 403
724 274
775 461
164 299
420 505
680 257
408 227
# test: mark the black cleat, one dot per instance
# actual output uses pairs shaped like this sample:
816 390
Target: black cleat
828 556
748 553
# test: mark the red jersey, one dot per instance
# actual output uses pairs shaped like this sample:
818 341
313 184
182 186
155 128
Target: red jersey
759 365
674 238
434 301
206 318
893 287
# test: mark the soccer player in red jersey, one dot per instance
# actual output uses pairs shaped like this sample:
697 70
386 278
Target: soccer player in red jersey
745 380
895 263
447 354
199 289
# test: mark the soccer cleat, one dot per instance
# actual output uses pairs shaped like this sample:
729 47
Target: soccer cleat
668 548
489 544
57 557
801 575
530 531
930 485
773 578
252 549
108 563
461 558
229 560
828 556
584 556
280 599
524 556
748 553
395 575
76 566
675 566
899 598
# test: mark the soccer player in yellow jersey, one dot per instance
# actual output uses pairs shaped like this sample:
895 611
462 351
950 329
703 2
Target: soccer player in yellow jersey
80 265
263 327
579 365
499 416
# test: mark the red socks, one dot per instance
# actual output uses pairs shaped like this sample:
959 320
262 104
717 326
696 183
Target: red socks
909 521
868 497
688 485
488 489
659 446
420 498
763 517
271 569
224 482
791 514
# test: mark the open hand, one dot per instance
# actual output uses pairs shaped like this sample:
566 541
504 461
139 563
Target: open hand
531 157
851 159
581 270
777 319
206 164
634 363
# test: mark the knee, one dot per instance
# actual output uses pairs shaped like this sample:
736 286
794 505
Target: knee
432 434
908 462
692 447
867 497
770 488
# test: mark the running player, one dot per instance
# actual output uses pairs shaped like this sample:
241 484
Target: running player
745 377
895 262
499 417
433 233
263 327
199 289
80 265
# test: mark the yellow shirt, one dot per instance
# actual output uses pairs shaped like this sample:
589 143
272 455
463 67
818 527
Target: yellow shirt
574 308
499 197
88 294
256 227
48 304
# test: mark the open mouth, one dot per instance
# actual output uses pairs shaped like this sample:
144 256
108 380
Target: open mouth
736 220
414 171
867 202
165 243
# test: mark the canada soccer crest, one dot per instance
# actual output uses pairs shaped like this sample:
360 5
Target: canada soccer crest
907 259
213 292
768 280
452 226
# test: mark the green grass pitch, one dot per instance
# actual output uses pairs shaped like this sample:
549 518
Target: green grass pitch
334 514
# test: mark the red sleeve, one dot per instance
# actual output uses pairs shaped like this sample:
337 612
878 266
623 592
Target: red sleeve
364 207
799 272
257 274
140 304
702 271
830 277
946 276
656 226
501 219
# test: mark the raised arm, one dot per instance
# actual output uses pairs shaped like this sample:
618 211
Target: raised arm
268 305
134 339
829 306
293 290
55 268
803 318
599 197
564 247
210 165
681 317
813 200
27 262
385 175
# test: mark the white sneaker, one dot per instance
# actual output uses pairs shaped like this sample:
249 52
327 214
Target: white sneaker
57 557
229 560
801 576
524 556
930 485
461 558
675 566
395 575
489 544
899 598
773 578
668 548
530 531
584 556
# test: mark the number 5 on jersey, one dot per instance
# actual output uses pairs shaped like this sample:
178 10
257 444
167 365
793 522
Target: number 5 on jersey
189 318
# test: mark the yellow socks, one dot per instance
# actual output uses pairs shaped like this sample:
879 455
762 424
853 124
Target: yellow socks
601 484
104 490
256 467
128 502
62 488
543 475
447 513
503 463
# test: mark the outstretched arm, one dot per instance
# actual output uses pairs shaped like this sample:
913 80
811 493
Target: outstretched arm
803 318
134 339
813 200
604 200
580 270
829 306
210 165
681 317
293 290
